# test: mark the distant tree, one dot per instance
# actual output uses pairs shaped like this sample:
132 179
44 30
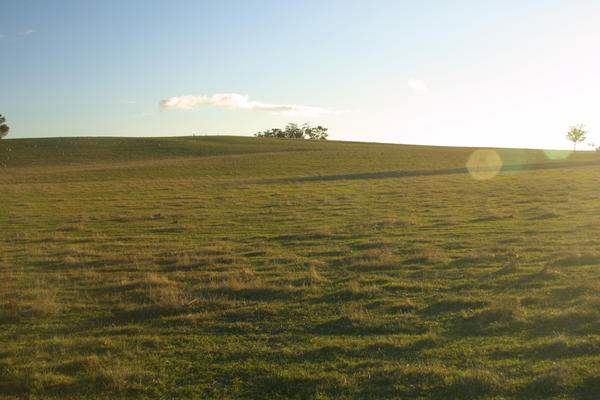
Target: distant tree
576 134
316 133
3 127
293 131
275 132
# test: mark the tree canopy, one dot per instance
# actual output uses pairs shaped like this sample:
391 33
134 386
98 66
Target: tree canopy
294 131
576 134
3 127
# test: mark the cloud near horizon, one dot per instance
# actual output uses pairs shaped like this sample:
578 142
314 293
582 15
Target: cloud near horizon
242 101
27 32
417 85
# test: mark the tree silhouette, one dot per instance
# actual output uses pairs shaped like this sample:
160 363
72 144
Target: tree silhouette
3 127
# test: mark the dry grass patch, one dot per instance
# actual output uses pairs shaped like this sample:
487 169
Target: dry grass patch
375 259
44 303
113 373
236 280
428 254
38 300
354 289
399 222
153 279
548 273
85 256
245 284
314 277
511 261
490 254
169 298
163 293
499 314
205 257
476 382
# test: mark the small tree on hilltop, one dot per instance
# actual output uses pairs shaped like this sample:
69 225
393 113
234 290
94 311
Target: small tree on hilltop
576 134
293 131
3 127
316 133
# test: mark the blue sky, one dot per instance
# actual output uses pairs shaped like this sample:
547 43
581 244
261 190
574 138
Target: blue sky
468 73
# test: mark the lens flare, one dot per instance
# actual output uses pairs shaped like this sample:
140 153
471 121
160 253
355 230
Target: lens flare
484 164
557 154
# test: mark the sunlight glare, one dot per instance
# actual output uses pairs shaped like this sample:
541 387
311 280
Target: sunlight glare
484 164
557 154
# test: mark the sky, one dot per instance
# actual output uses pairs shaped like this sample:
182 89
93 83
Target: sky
458 73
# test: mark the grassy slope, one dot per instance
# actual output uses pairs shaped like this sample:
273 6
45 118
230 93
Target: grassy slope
258 268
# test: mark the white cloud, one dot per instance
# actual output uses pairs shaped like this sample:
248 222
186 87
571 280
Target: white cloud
417 85
242 101
27 32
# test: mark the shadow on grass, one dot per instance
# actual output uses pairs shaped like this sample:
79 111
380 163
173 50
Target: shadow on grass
329 353
544 216
491 218
550 384
566 294
402 174
392 351
429 382
488 322
375 267
560 348
352 326
285 387
144 314
587 389
302 237
454 305
266 293
538 278
578 260
11 385
568 321
29 384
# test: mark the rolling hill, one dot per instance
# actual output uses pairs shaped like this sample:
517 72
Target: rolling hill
231 267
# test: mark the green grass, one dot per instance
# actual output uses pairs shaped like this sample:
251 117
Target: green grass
227 267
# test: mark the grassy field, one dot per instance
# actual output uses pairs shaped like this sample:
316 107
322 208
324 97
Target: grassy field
225 267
